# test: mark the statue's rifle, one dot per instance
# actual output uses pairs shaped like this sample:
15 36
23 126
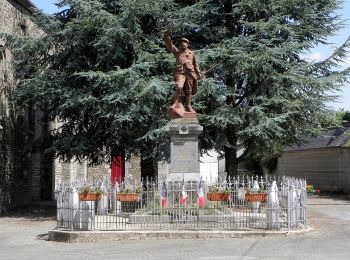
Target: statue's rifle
212 67
172 26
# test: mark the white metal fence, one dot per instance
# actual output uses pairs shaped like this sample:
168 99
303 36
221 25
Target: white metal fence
241 203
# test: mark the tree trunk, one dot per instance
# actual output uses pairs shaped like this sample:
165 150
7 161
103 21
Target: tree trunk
147 169
231 162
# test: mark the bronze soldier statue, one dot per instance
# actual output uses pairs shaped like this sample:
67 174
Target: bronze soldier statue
186 74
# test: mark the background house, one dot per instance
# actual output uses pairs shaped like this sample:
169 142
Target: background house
324 161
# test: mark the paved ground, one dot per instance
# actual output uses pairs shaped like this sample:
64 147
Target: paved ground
24 237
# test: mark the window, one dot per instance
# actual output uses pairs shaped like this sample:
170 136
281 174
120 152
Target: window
3 70
23 29
23 26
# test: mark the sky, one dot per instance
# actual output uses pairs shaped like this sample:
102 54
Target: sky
318 53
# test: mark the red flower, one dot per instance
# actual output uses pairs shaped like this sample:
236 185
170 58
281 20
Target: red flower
318 191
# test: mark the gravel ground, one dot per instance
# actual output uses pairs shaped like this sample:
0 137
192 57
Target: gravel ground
24 236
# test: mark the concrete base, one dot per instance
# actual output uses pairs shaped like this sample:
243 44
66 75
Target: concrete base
99 236
180 112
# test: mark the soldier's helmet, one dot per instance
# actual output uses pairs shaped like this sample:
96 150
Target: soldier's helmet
185 40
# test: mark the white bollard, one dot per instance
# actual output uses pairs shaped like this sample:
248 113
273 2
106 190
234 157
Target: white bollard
59 198
74 214
255 204
292 209
88 215
272 211
241 195
113 199
102 205
65 208
303 206
295 207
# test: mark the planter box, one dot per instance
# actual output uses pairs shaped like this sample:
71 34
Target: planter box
218 196
254 197
90 196
128 196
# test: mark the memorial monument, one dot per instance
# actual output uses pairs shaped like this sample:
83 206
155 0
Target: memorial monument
183 128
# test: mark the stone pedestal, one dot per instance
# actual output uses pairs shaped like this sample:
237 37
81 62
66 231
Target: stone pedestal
184 153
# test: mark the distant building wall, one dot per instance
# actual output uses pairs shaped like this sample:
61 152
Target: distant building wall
326 168
163 170
81 171
133 169
209 167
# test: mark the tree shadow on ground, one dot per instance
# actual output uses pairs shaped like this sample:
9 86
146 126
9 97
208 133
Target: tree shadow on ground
336 199
33 213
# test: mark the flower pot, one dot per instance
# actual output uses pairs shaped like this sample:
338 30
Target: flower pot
90 196
218 196
253 197
128 196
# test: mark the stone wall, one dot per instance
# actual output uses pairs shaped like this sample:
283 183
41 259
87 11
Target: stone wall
327 168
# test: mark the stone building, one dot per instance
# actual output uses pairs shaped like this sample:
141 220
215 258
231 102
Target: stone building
23 176
324 161
27 173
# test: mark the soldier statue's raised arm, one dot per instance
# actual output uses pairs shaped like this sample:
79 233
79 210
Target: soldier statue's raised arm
186 74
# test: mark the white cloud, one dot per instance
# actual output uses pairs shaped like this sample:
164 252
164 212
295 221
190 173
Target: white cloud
346 62
313 57
316 57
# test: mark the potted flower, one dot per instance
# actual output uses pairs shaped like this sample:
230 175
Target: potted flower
90 194
218 194
130 194
310 190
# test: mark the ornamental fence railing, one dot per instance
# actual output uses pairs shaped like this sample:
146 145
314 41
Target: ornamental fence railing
242 203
